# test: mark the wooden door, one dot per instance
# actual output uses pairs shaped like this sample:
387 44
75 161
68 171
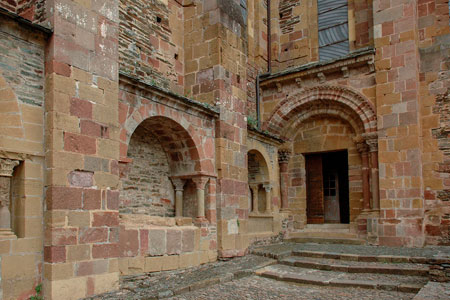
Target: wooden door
314 189
331 197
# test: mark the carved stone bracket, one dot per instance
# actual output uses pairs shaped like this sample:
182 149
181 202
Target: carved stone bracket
321 77
279 87
371 64
345 72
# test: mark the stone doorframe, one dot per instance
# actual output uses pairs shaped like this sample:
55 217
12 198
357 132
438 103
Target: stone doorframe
339 102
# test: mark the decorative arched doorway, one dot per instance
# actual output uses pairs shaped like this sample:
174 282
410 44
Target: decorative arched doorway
330 131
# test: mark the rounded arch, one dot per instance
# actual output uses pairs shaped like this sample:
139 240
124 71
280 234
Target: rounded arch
182 152
339 101
258 168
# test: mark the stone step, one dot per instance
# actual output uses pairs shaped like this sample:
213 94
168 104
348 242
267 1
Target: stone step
325 240
328 226
327 234
366 258
401 283
356 266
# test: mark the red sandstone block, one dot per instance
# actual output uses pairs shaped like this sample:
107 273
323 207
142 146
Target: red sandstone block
143 235
58 68
105 251
93 235
54 254
80 108
92 199
112 200
109 219
432 230
123 111
86 268
128 242
79 143
64 198
92 128
61 236
113 235
90 286
296 35
391 241
81 178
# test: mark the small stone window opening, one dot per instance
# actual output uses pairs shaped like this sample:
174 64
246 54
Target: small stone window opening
260 196
158 19
175 56
6 174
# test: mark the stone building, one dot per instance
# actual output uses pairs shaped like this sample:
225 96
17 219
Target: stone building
147 135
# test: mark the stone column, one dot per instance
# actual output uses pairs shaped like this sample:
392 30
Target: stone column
179 188
200 183
373 149
6 170
254 188
283 160
363 148
268 188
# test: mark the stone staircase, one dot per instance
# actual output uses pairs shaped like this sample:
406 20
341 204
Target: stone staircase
326 233
381 271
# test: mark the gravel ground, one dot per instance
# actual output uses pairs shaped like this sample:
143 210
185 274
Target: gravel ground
253 288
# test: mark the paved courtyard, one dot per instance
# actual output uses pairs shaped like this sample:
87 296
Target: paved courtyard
254 287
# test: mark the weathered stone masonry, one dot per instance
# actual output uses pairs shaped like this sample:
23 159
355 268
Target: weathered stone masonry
132 130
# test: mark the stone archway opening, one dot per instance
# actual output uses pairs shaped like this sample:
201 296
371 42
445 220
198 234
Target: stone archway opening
316 124
259 183
160 176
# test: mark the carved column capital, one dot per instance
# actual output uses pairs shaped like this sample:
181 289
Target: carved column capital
373 145
267 187
200 182
284 155
7 166
178 183
362 147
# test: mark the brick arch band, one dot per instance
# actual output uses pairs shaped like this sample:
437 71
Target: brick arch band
178 143
324 100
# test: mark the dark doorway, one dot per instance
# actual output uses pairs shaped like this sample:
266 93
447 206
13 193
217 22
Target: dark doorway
327 189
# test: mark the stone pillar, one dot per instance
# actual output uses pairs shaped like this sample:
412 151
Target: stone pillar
200 183
375 183
268 188
283 160
363 148
179 188
6 170
254 188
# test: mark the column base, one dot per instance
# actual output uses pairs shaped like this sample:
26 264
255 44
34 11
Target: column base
7 234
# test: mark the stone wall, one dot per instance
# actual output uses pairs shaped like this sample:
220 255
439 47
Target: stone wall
22 140
434 47
146 188
32 10
151 42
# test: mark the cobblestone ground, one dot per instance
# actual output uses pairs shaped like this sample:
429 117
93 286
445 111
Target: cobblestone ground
255 288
